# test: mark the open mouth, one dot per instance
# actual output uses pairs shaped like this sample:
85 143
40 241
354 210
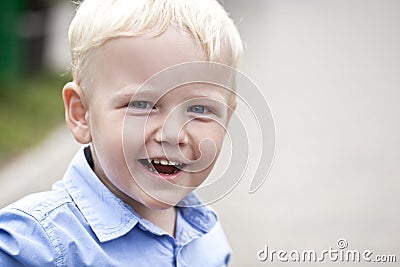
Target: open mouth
162 166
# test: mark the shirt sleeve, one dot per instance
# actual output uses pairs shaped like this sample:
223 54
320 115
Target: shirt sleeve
24 241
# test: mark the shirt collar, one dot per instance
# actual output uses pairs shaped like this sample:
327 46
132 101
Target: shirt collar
194 220
197 214
110 218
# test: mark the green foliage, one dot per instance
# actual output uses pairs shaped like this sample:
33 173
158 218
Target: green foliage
29 109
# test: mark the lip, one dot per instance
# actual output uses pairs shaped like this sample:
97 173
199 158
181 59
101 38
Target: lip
176 159
168 177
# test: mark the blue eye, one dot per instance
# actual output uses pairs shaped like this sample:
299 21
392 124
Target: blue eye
198 109
140 104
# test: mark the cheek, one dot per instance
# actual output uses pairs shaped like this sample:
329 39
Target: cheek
133 137
207 147
212 134
106 129
206 142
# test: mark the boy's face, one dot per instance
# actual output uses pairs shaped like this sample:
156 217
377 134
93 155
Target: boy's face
134 132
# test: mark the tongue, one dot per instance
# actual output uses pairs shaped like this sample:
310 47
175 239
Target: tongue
166 169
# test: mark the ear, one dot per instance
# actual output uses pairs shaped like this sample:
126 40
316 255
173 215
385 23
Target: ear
76 112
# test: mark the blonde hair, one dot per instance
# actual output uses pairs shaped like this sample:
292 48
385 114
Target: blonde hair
97 21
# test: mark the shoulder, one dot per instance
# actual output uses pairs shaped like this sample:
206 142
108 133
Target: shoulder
38 205
26 237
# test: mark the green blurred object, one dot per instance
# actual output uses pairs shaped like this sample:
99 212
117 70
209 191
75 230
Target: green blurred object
10 43
29 110
30 105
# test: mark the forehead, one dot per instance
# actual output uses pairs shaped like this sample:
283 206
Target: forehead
124 60
135 59
121 66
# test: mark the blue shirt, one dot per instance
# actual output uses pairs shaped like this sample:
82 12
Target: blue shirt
81 223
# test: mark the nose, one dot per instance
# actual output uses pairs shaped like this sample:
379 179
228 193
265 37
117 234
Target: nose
172 130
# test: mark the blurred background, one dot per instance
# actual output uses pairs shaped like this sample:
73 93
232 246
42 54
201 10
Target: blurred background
330 70
33 67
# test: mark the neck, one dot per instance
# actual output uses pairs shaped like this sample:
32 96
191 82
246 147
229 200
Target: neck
165 219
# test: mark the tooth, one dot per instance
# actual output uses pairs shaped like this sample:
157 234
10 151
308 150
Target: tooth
164 162
157 161
149 160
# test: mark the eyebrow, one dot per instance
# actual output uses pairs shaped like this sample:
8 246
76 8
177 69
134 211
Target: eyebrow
128 91
215 96
210 92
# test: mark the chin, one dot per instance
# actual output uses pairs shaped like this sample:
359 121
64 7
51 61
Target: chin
166 198
157 204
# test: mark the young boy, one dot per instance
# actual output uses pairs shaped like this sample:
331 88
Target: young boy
126 198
